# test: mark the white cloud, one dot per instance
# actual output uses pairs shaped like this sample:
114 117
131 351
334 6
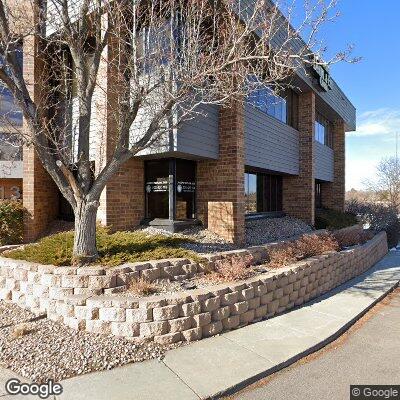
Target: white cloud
382 122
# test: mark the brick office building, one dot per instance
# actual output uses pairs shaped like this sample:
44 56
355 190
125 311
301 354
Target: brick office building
271 156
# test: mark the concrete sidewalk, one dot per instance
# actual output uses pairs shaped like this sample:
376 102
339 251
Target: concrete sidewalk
221 364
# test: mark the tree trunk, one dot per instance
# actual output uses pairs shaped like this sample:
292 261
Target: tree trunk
85 249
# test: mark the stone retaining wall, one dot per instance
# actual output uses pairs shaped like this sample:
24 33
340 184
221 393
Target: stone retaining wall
118 278
85 298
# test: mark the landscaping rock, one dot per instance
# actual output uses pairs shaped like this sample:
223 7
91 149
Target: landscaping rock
54 351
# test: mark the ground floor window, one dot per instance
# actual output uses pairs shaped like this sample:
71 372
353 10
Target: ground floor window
170 187
263 192
318 195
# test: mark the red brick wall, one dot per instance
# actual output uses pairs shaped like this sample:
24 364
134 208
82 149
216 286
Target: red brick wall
40 197
333 193
298 191
6 186
220 183
40 192
123 197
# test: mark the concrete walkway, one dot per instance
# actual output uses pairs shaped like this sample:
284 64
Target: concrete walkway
368 354
221 364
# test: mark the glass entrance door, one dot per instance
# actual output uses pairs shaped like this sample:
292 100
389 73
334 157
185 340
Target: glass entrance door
170 189
157 189
185 189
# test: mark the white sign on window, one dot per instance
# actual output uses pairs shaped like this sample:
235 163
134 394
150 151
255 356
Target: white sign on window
14 190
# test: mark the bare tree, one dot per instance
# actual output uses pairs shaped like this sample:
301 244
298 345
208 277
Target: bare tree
167 57
363 196
386 185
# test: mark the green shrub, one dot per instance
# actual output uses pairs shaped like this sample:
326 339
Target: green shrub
332 219
11 222
114 249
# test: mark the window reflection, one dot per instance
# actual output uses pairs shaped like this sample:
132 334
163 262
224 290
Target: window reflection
269 103
263 192
250 190
323 131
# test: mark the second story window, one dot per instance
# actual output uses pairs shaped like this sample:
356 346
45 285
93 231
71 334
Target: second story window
323 131
268 102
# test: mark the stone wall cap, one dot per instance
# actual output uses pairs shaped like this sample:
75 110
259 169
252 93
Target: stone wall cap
200 294
119 269
138 266
65 270
91 270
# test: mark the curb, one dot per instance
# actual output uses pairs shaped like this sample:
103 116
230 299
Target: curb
235 388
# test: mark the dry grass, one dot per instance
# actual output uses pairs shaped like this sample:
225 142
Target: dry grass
352 238
305 247
281 255
142 287
20 330
235 268
314 245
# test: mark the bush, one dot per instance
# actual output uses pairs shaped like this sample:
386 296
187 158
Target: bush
378 217
235 268
281 255
305 247
352 237
11 222
114 249
142 287
332 219
314 245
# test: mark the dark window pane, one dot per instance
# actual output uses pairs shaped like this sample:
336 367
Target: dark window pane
263 192
157 178
185 189
318 195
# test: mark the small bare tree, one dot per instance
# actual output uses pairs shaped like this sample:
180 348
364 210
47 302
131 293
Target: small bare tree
167 57
386 185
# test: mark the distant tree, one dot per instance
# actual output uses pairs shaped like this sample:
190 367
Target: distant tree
361 195
386 186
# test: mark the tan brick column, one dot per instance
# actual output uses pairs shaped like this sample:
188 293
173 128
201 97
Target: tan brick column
298 191
40 193
333 193
122 203
220 183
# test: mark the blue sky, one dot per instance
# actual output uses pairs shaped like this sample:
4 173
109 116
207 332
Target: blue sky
373 85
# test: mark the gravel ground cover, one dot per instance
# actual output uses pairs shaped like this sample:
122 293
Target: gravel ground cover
53 351
258 232
272 229
9 317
